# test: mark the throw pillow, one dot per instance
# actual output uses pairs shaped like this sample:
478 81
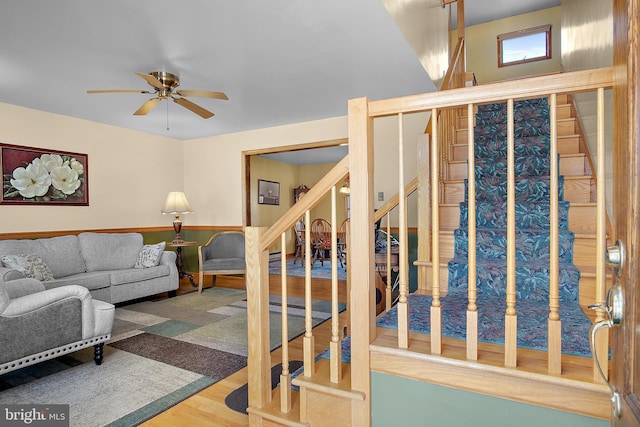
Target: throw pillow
29 265
149 255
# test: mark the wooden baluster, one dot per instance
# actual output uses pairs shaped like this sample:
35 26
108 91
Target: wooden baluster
403 308
335 348
285 376
308 341
389 299
602 337
511 320
554 323
472 308
436 310
424 212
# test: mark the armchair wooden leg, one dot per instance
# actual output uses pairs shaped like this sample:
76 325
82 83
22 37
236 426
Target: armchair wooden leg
200 281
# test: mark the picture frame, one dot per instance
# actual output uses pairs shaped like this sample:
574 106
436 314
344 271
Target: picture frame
41 176
268 192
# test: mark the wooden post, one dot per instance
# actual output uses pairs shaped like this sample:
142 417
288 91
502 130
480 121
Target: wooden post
259 352
472 308
511 320
335 349
285 376
403 306
388 296
361 255
436 310
602 338
424 212
554 324
308 341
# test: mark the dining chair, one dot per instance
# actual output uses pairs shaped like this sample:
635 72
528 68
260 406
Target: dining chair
298 231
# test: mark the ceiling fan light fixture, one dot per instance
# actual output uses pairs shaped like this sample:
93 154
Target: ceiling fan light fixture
164 84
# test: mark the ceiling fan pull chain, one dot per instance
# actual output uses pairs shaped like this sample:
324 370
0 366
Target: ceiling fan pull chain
167 116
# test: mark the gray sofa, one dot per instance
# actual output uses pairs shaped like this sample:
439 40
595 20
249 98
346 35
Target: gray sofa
38 324
107 264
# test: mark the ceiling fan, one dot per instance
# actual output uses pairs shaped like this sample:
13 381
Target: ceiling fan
164 85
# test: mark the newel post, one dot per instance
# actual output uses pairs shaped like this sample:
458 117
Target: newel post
361 255
257 280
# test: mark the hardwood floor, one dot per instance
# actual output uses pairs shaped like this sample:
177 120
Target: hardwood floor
207 408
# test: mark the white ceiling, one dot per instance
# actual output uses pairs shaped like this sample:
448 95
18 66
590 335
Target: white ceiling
279 61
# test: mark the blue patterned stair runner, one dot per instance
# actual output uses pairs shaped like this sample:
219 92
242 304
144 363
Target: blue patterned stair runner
531 134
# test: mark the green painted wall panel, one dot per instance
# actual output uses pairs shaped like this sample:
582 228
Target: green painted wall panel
402 402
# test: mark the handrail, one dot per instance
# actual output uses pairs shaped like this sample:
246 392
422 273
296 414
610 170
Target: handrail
339 172
393 202
453 64
564 83
448 75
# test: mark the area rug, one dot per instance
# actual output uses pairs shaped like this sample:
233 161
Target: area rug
238 399
161 352
319 271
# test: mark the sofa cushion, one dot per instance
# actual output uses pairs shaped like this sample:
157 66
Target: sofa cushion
61 254
150 255
110 251
122 277
91 280
30 265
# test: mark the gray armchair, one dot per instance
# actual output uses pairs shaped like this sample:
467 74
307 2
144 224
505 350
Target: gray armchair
223 254
38 324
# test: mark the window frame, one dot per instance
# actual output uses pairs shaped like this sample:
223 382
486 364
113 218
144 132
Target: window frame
542 29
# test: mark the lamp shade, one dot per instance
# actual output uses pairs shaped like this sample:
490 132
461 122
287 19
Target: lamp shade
176 204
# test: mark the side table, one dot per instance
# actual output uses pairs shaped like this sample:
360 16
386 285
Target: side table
181 272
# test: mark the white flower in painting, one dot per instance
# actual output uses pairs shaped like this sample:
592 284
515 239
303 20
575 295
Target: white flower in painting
77 166
65 179
51 161
32 181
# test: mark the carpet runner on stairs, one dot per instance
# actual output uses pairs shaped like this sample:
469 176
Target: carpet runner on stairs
532 166
532 196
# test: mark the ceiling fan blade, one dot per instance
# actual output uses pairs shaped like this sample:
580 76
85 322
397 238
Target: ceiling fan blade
118 91
146 107
151 80
202 93
202 112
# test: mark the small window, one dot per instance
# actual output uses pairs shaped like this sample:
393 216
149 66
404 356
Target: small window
519 47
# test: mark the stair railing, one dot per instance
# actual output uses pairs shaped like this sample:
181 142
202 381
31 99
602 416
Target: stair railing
384 212
547 86
358 166
258 242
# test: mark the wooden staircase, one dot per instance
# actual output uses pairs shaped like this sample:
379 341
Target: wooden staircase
338 393
579 189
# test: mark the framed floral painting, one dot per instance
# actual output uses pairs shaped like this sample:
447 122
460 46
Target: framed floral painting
37 176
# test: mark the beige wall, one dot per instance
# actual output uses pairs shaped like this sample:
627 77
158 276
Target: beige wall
129 172
284 173
289 176
311 174
482 47
215 173
425 26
